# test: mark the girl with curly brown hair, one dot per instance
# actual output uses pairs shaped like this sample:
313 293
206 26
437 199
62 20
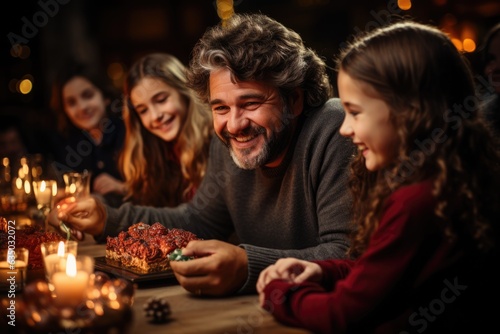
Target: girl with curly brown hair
425 185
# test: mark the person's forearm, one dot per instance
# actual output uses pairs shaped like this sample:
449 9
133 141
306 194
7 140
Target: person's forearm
259 258
182 216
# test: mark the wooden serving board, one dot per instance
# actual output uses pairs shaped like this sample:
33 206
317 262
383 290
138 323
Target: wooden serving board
116 269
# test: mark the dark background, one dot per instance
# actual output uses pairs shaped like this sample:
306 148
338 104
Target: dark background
111 34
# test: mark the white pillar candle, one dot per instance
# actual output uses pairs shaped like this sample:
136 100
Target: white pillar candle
43 192
52 260
70 285
53 252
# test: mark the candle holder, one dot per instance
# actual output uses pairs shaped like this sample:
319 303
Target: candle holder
13 268
107 308
77 184
53 252
43 190
71 279
21 177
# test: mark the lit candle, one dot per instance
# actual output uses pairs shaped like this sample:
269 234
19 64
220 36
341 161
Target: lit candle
51 260
43 193
27 187
12 275
18 187
70 285
4 265
53 253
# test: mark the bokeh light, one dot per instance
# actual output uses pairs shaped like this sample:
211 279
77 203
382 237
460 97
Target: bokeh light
404 4
225 9
457 43
116 71
25 86
469 45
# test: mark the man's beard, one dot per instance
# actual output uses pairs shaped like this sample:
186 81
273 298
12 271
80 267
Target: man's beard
273 146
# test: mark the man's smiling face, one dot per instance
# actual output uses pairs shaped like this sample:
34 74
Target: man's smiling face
251 119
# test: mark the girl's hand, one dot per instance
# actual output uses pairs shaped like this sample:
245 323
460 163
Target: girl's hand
291 270
105 183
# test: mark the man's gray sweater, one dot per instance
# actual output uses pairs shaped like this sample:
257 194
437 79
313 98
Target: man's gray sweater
300 209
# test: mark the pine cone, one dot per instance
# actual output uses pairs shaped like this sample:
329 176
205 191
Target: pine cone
157 309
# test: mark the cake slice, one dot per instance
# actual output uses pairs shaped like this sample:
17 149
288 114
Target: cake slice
30 237
145 247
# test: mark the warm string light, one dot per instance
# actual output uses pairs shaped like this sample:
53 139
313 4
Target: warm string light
404 4
463 35
22 183
225 9
468 36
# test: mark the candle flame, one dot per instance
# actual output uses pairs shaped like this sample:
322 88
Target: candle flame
21 173
27 187
60 249
43 186
71 266
26 169
19 183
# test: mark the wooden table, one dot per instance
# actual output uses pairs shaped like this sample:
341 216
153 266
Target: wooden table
192 314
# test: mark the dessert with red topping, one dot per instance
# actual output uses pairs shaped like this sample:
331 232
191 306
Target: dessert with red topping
30 237
146 247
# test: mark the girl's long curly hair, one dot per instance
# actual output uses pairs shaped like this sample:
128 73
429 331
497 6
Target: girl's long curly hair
442 136
160 173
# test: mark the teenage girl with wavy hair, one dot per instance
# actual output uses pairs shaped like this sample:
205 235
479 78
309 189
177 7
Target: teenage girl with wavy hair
168 133
425 185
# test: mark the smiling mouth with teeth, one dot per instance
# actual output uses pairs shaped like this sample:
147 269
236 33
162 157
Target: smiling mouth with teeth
167 122
244 139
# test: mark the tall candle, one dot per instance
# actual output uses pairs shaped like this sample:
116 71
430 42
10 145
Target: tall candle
70 285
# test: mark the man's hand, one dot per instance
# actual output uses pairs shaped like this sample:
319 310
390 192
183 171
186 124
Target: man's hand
85 214
220 269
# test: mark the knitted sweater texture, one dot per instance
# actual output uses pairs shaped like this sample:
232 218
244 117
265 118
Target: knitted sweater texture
300 208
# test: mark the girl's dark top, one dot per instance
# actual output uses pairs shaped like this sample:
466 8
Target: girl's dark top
78 151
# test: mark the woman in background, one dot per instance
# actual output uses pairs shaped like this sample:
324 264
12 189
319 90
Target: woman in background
168 132
90 129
